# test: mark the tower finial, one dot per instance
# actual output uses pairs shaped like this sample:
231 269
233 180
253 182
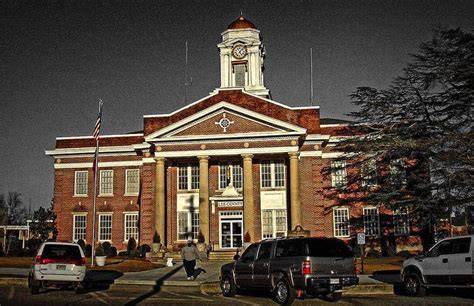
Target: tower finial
241 14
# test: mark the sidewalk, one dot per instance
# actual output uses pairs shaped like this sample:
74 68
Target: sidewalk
207 279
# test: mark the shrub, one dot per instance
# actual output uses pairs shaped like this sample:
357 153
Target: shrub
112 252
131 247
99 250
156 238
144 248
405 254
106 246
374 253
88 250
82 244
123 253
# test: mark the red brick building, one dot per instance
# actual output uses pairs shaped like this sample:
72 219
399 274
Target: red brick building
232 163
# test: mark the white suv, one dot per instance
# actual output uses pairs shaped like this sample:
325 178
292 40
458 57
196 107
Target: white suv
57 265
448 264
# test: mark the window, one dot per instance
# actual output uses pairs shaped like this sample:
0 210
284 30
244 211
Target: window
369 173
105 227
264 251
401 223
131 226
461 245
80 183
188 225
188 177
272 174
273 223
132 181
371 222
341 222
106 182
338 174
230 173
398 173
443 248
249 253
79 227
239 72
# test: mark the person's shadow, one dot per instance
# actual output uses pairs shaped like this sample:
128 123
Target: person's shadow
198 271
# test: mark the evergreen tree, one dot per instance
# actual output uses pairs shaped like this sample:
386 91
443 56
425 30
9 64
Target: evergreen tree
424 120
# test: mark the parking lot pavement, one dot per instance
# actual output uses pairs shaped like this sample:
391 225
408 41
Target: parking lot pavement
19 295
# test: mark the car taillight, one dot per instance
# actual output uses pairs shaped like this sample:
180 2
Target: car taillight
306 268
38 259
82 262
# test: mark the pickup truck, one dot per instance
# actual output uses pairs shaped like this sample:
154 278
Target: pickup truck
285 266
448 264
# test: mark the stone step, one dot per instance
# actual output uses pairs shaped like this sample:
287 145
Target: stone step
222 255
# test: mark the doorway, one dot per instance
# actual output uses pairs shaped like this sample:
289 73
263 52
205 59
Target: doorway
230 229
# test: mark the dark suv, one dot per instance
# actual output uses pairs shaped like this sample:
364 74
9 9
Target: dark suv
313 266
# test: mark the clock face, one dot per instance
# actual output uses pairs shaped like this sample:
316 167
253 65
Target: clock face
239 51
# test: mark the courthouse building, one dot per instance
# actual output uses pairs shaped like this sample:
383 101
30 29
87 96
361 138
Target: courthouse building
233 165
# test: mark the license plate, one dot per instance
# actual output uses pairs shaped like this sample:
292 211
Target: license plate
334 281
60 267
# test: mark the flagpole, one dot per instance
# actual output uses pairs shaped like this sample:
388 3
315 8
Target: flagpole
95 169
94 202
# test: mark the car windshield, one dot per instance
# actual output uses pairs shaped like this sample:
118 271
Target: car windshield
58 251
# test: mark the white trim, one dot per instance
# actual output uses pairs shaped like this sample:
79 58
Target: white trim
378 219
320 137
83 150
251 136
133 213
334 222
216 109
311 153
75 183
226 152
148 160
334 124
101 164
126 182
101 194
111 225
74 225
88 155
332 155
101 136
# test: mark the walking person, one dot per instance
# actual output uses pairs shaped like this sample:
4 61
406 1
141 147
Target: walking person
189 254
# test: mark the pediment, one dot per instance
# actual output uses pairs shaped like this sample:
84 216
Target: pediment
225 120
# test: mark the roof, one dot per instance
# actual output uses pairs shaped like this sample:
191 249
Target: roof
241 23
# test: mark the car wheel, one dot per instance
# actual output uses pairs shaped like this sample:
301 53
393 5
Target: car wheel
228 286
333 296
284 293
34 286
413 286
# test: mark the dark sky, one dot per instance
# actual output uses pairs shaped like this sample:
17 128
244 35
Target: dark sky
58 57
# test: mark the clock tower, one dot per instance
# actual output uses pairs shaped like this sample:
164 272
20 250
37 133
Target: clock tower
242 54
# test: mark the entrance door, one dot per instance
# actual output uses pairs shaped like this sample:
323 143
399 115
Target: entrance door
231 230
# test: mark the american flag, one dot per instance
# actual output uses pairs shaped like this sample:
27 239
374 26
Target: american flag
97 123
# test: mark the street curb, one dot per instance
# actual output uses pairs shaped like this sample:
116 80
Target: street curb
18 281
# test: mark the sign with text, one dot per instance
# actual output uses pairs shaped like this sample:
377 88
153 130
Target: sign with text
360 238
230 204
